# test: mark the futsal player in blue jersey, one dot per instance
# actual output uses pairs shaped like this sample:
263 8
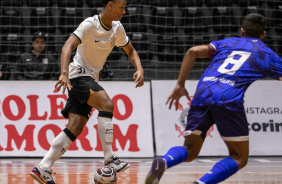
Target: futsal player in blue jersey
237 63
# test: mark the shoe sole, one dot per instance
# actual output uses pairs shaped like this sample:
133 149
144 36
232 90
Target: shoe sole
157 171
123 168
151 179
36 177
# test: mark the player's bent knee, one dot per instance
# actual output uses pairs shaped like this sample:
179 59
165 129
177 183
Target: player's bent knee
193 144
76 124
107 106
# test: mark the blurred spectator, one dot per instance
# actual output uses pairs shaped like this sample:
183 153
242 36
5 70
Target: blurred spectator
37 65
6 69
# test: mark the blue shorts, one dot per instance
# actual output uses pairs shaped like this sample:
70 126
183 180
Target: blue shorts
232 125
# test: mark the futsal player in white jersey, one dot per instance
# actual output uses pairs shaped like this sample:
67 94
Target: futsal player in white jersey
94 39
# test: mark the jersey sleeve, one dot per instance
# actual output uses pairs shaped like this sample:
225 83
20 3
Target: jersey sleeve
213 46
83 30
275 67
216 44
122 38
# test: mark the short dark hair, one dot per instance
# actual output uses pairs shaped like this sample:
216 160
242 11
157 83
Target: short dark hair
253 25
105 2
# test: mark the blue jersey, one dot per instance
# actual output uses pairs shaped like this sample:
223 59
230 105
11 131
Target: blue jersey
236 64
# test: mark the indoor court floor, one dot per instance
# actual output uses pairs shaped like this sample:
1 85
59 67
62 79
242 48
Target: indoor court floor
260 170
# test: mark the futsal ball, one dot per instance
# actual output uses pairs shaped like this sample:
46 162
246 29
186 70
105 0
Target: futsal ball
105 175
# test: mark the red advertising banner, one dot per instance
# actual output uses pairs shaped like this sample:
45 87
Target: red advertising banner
30 118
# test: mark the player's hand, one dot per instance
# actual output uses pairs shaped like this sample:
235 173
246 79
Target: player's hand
63 82
138 78
176 94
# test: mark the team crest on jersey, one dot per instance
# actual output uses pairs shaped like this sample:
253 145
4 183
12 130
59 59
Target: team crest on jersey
45 61
113 42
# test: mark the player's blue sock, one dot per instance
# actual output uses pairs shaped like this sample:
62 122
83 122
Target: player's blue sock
175 155
220 171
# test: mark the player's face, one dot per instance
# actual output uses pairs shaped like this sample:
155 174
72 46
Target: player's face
38 44
118 9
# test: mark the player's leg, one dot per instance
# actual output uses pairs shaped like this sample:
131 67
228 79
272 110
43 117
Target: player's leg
62 142
238 158
198 123
238 151
77 111
175 155
58 147
186 153
233 128
102 102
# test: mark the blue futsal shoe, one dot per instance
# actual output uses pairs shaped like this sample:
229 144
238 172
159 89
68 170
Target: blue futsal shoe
156 172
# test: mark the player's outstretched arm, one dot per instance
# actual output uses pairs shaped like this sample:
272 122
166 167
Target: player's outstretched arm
138 76
68 47
201 51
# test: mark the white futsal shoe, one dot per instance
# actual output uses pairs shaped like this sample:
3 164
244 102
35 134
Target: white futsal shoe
117 164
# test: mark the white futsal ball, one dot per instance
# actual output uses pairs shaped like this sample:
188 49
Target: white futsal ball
105 175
